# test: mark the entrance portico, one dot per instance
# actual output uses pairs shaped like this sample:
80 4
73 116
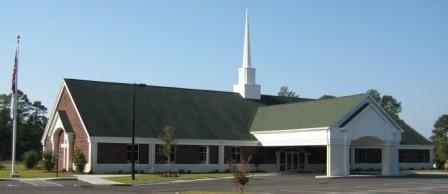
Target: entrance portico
365 125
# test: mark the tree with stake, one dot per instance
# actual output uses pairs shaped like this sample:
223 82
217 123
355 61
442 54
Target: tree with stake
168 140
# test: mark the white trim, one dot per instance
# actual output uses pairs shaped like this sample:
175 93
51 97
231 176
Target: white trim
53 112
290 130
142 140
77 111
385 113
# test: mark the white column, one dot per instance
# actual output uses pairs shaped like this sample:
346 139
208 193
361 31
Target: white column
389 159
152 157
207 154
93 155
70 149
221 158
431 156
352 158
338 160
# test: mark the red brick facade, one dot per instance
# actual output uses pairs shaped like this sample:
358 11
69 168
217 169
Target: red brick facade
80 136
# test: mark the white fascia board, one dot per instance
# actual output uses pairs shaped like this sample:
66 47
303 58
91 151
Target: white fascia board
289 130
378 106
350 113
53 113
141 140
299 137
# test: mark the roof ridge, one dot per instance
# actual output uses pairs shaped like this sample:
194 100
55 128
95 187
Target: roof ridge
314 100
157 86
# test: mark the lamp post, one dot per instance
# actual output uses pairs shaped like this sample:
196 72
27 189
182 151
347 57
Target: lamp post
133 132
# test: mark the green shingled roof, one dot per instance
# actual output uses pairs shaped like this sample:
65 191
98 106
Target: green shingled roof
410 136
318 113
106 109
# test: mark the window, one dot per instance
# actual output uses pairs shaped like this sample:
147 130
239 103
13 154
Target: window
367 155
236 154
129 153
162 155
414 156
203 154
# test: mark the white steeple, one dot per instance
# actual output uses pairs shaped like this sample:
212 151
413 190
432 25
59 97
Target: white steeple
246 47
246 74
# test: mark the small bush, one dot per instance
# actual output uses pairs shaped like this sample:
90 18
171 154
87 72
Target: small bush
1 165
48 160
30 159
80 160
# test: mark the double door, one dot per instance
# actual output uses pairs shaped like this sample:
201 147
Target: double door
292 160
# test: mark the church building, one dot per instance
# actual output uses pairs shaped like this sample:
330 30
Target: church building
333 136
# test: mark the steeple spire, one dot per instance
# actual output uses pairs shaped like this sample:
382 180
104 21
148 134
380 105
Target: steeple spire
246 47
246 74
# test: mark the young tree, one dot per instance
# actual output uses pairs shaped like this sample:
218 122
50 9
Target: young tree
440 139
241 174
284 91
168 139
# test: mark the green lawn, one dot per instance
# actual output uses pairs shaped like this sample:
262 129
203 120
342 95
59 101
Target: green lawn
207 192
30 173
142 178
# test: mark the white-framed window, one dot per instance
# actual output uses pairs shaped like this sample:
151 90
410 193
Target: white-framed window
129 152
203 154
236 154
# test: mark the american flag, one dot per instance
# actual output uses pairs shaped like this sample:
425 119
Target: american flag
14 83
14 74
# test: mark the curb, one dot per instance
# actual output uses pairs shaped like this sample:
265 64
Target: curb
46 179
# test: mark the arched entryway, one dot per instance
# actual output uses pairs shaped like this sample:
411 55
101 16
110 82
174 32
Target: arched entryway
62 149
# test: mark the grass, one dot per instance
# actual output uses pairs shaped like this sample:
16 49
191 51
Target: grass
30 173
142 178
207 192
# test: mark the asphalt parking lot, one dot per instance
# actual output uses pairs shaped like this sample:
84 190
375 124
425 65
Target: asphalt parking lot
290 183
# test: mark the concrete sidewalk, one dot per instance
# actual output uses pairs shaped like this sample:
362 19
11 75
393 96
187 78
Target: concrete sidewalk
99 179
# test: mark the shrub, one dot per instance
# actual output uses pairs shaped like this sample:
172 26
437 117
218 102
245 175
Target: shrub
30 159
1 165
48 160
79 159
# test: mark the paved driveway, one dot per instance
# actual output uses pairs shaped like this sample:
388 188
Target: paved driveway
291 183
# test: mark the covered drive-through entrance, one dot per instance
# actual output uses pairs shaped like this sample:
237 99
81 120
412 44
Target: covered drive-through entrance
365 126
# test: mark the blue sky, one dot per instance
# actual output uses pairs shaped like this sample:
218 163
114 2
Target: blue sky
315 47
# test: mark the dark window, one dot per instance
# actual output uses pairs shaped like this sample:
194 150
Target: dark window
414 156
367 155
162 155
203 154
236 154
129 153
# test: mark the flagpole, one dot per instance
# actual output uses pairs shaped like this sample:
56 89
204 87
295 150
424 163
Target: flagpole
14 106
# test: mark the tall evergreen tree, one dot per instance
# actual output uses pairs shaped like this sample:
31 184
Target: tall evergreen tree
440 139
388 102
31 123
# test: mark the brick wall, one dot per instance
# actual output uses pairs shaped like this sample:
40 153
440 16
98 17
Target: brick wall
80 135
